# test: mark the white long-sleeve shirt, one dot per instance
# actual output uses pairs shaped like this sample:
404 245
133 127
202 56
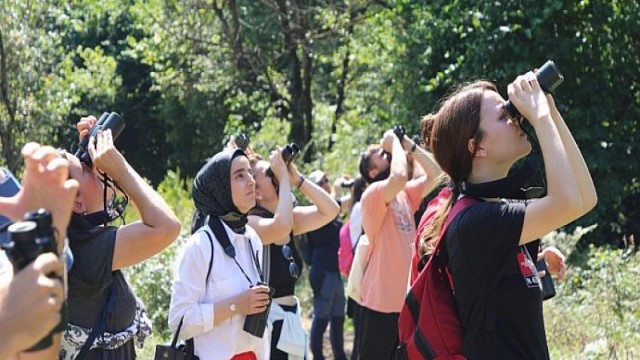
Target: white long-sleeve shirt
191 299
355 226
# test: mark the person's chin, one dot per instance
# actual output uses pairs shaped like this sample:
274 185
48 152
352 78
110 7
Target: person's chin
250 205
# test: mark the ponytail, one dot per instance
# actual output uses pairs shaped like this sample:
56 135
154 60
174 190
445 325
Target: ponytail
432 230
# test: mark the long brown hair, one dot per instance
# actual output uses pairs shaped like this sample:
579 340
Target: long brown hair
447 134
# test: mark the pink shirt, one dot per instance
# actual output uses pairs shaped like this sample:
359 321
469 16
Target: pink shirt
391 230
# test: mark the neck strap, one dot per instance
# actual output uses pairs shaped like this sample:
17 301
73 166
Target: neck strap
223 239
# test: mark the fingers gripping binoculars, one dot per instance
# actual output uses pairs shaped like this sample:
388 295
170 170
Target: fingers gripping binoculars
289 153
549 78
107 121
27 240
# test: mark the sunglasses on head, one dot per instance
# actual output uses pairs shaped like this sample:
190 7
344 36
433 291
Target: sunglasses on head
293 267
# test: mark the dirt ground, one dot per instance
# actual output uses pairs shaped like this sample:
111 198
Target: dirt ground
328 354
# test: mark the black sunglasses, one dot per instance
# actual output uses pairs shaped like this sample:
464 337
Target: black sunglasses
293 267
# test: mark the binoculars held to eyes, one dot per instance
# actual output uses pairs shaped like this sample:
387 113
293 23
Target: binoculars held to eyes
400 131
289 153
242 140
107 121
27 240
548 76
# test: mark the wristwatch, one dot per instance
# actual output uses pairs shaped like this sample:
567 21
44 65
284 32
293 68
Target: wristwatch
232 307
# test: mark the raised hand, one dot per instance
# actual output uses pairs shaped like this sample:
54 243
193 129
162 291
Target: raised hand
105 156
46 184
527 96
30 302
84 125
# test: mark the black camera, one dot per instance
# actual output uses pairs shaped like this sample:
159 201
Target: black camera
548 76
255 324
289 153
106 121
548 289
27 240
242 140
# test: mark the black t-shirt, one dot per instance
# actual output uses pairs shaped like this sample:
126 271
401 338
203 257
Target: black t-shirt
279 276
324 244
90 281
497 287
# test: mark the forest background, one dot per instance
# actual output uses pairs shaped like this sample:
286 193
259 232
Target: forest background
331 76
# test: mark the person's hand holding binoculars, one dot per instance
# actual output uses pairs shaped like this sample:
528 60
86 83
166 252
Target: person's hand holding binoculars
528 97
30 302
278 166
105 156
254 300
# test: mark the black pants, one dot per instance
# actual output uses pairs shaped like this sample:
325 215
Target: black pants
353 311
378 335
318 328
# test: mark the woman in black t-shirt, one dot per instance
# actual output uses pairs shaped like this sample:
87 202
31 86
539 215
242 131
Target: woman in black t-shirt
492 245
276 220
97 289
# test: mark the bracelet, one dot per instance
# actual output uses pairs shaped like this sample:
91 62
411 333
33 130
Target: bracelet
414 147
300 181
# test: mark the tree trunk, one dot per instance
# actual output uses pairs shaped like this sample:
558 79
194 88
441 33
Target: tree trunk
6 135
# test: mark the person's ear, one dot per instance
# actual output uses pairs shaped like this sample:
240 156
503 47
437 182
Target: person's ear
373 173
480 151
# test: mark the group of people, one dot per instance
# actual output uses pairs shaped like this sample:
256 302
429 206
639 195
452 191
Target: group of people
234 290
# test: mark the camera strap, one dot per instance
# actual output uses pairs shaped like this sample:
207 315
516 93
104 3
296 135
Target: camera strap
221 235
98 325
512 186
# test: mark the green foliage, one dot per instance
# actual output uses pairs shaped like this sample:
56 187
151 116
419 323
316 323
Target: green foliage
152 279
596 313
331 76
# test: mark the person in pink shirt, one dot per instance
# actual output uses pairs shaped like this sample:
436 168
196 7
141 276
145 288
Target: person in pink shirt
388 205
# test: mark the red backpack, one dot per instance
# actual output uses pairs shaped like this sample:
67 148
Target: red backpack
436 203
429 326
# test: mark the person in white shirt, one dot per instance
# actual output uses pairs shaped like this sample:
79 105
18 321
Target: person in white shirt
213 292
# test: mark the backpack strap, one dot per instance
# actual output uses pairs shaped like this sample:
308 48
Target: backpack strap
266 263
459 205
98 325
355 244
210 261
190 346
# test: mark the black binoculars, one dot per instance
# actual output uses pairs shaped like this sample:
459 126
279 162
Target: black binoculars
242 140
548 288
255 324
400 131
548 76
289 153
107 121
27 240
